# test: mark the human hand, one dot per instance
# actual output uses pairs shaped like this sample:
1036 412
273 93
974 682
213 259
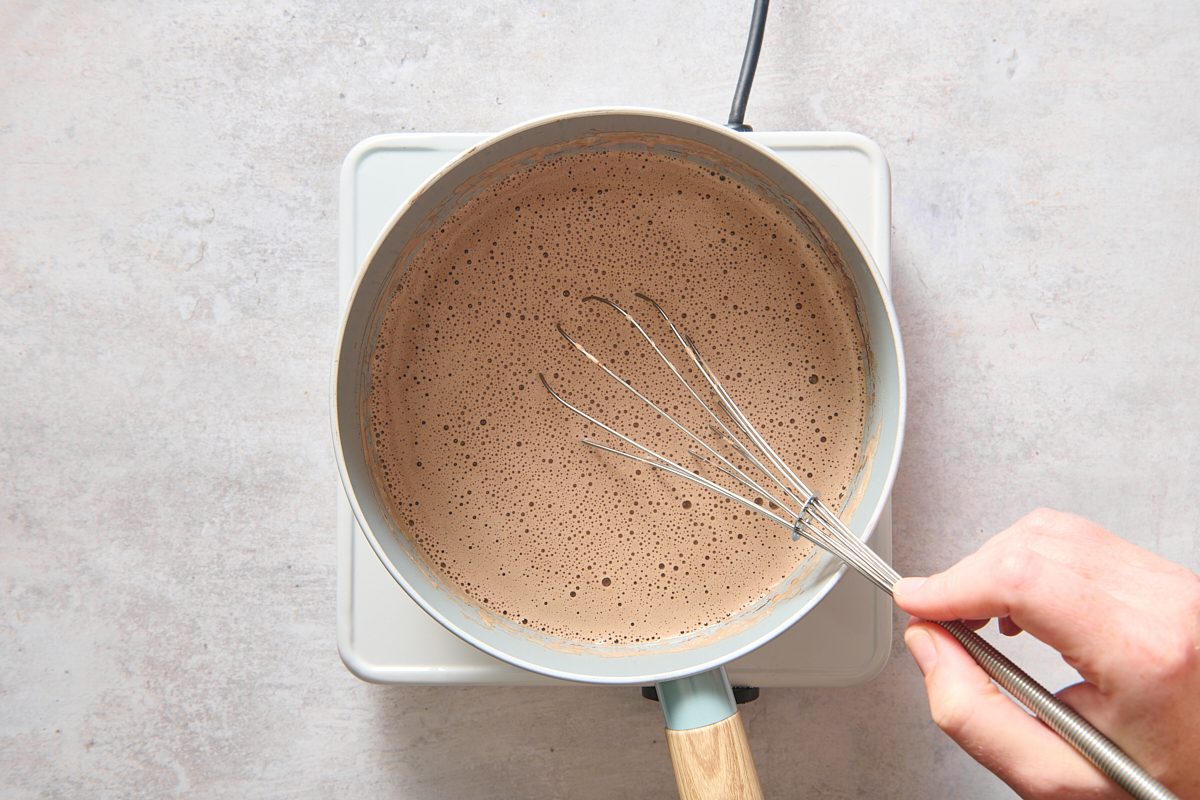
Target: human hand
1126 619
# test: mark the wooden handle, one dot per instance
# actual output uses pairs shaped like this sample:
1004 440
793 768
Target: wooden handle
714 762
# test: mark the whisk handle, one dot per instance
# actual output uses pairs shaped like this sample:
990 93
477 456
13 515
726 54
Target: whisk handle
1061 718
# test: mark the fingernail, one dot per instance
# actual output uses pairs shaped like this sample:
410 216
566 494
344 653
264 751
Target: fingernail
924 651
908 585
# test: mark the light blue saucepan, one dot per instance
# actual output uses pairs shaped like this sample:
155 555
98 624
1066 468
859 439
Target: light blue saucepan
704 732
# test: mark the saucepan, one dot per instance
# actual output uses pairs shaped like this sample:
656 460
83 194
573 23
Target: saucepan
705 736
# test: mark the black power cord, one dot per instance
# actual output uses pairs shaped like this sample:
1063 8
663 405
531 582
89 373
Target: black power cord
758 22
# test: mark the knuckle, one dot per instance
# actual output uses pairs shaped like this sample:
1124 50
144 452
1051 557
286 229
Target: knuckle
1191 597
1037 524
1048 528
1041 520
1171 657
1017 568
951 712
1047 524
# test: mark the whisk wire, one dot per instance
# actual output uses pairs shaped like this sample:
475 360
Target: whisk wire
819 524
693 352
848 546
666 465
716 419
814 521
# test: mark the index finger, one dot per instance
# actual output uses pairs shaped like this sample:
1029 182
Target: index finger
1049 600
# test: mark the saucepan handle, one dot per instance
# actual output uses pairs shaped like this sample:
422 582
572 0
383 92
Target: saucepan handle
709 748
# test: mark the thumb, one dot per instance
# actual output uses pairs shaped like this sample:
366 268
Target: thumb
997 733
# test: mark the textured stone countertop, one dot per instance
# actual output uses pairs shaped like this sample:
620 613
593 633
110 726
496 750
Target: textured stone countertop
168 185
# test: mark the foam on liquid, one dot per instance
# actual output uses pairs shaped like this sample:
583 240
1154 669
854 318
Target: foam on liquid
485 472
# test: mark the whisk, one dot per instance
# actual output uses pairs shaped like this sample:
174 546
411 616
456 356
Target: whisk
737 450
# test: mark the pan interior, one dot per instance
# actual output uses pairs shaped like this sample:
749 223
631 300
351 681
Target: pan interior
482 475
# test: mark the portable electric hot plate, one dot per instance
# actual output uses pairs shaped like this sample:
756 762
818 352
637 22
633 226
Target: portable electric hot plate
385 637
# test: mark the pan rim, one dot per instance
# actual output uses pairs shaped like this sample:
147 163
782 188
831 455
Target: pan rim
785 622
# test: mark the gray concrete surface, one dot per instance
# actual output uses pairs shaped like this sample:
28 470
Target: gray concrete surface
167 310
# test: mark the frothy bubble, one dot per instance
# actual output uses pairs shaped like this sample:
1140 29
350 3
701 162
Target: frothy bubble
486 473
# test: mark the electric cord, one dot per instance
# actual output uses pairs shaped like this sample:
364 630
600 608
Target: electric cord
758 22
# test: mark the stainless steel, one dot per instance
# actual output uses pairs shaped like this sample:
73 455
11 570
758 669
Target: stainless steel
384 267
1062 719
806 515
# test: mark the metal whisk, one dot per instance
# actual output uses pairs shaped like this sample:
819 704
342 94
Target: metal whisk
786 500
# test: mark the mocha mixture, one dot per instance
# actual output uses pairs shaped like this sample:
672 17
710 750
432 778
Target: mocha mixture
485 471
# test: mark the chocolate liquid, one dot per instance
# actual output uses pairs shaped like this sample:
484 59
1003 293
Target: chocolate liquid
485 472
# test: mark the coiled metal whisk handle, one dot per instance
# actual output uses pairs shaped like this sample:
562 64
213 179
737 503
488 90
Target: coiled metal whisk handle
1057 715
823 528
1060 717
768 478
